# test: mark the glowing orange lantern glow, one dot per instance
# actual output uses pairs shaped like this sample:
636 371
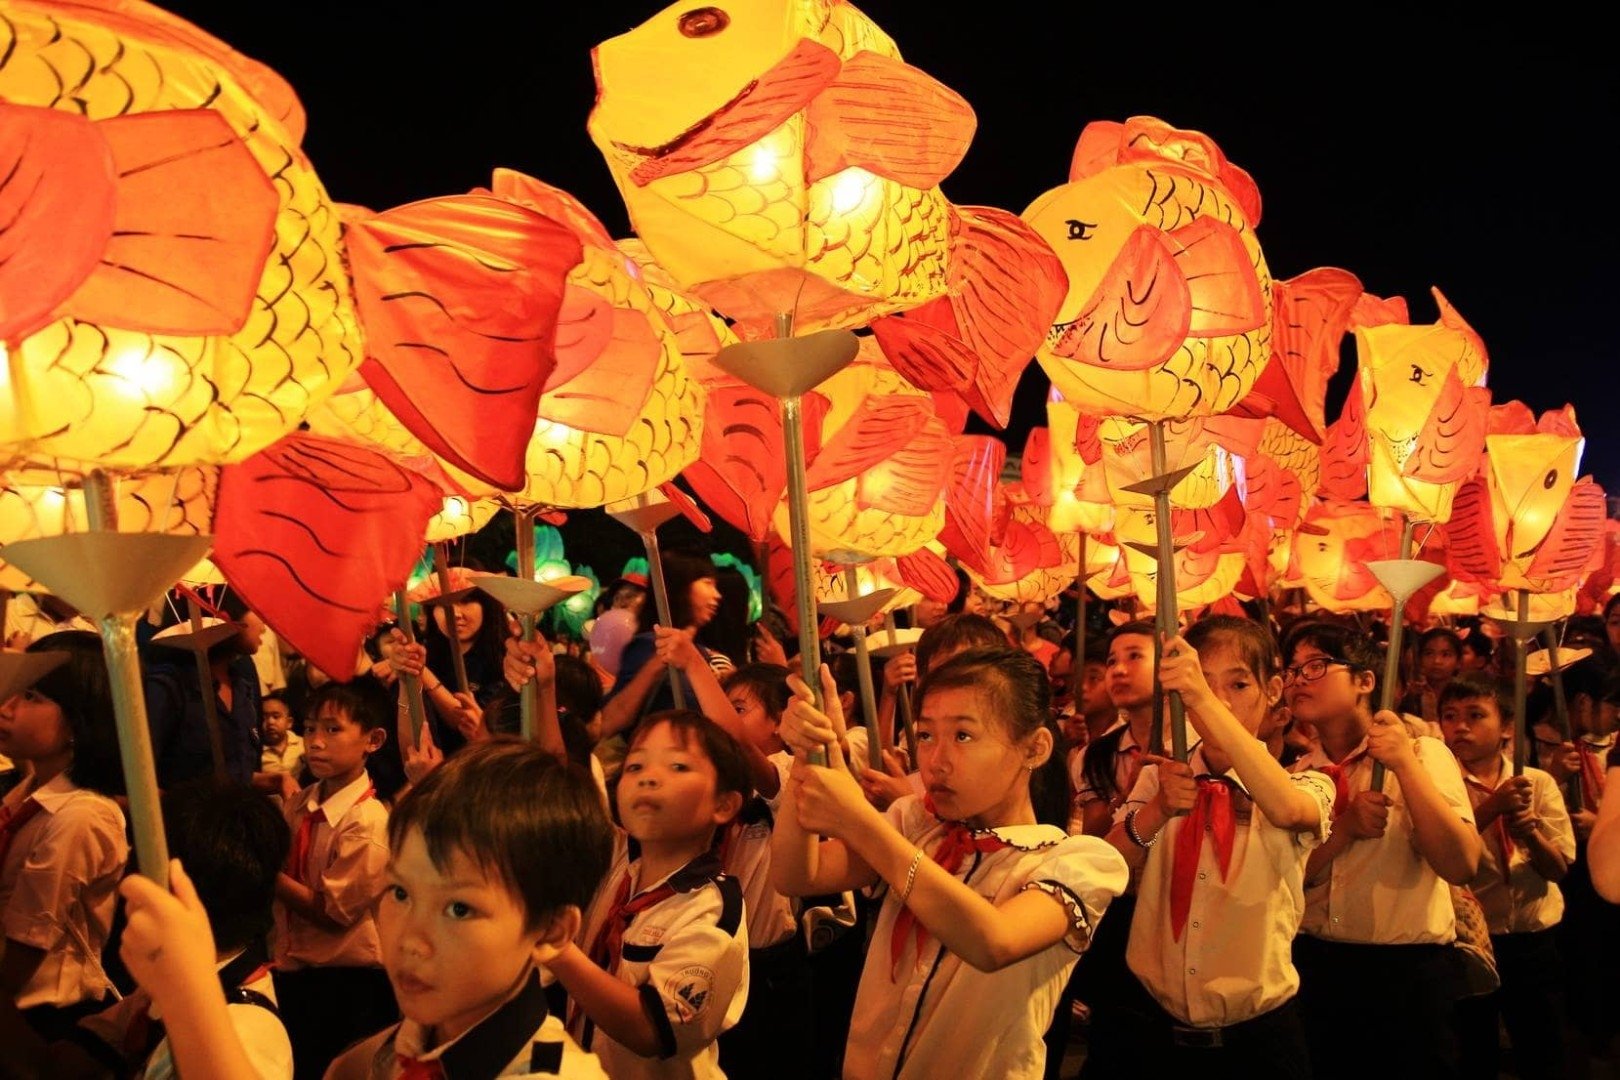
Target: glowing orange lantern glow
1168 312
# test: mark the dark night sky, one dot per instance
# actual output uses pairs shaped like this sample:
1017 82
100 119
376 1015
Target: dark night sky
1412 152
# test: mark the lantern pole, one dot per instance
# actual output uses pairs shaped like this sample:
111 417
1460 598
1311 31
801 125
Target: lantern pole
529 696
413 683
111 577
902 697
1164 614
1521 655
205 682
1572 786
863 668
644 516
1402 577
441 571
786 367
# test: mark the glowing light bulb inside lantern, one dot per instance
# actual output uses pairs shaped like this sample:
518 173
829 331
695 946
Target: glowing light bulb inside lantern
552 433
763 164
455 506
552 569
852 188
144 371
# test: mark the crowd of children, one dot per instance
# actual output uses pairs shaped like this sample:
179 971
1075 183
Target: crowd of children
745 886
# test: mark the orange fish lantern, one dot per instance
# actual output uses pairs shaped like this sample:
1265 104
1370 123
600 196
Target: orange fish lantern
1204 571
1526 523
1213 449
1332 550
1168 311
1425 411
877 479
150 322
755 147
619 415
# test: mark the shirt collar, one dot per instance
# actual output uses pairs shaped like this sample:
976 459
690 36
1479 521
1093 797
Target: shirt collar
486 1048
1317 757
1468 774
52 795
341 801
1200 767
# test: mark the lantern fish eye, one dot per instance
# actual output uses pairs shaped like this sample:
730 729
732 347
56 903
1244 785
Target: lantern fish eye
1418 375
703 22
1550 479
1079 230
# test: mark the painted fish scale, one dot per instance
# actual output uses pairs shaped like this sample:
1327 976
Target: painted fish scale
1295 454
569 468
893 229
762 182
300 338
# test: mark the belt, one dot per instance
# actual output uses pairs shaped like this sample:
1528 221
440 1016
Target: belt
1201 1038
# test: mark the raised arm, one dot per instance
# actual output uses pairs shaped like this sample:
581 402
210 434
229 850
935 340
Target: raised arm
1450 845
1281 800
677 647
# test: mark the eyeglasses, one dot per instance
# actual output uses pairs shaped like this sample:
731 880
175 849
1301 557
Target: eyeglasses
1310 670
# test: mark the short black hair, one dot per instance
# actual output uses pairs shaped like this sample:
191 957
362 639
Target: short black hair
1440 633
724 752
579 699
532 822
1471 687
233 843
1139 628
82 689
956 633
1337 642
362 700
768 683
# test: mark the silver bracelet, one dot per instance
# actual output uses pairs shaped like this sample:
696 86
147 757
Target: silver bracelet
911 877
1136 838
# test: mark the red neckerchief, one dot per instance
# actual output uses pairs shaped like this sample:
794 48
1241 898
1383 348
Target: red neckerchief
1504 839
1592 779
12 821
416 1069
958 842
303 844
607 948
1212 810
1340 775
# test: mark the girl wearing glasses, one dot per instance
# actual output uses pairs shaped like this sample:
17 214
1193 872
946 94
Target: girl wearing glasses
1374 953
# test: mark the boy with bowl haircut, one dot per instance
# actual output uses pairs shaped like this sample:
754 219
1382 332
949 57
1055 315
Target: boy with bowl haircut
495 854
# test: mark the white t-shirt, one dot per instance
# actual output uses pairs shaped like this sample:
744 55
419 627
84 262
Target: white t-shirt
687 956
934 1015
746 854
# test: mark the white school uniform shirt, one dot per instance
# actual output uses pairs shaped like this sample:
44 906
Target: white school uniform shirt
349 853
59 886
688 958
746 855
1124 761
1234 960
939 1017
518 1038
1382 892
1522 901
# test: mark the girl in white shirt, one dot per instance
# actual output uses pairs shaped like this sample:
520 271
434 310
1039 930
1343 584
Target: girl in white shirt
62 846
987 908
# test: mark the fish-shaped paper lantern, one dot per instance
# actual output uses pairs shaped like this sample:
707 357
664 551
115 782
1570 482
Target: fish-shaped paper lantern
1332 551
1527 523
1081 501
1169 311
151 323
877 479
778 156
619 415
1423 392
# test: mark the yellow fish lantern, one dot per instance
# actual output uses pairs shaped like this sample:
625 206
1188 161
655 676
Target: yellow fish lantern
1081 501
1205 571
1423 390
168 325
1332 549
1526 523
1168 312
176 503
1214 448
619 415
777 157
877 481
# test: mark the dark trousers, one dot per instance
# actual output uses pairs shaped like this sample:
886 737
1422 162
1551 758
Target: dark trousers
1270 1046
1530 1004
328 1009
773 1038
1104 982
1383 1010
